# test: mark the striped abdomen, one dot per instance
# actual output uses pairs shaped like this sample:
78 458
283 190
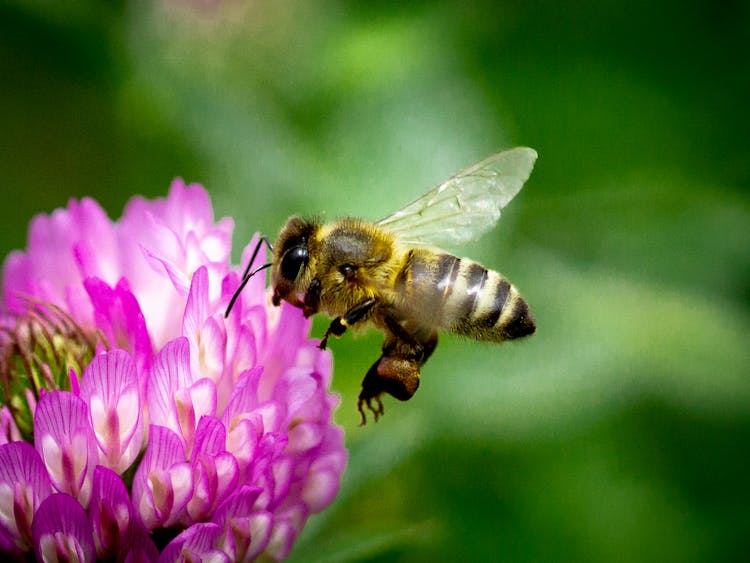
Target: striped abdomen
462 296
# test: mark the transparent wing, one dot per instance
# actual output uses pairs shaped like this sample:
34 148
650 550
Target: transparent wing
465 206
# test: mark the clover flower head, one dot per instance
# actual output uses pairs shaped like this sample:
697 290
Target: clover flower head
136 419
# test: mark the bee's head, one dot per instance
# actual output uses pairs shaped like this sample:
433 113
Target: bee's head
291 256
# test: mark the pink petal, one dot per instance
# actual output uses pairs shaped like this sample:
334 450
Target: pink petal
110 387
247 531
244 397
209 449
64 440
248 536
209 352
243 441
321 488
227 476
214 477
241 346
295 388
282 475
240 503
162 485
191 404
18 281
62 531
24 484
281 540
111 513
141 548
195 544
170 372
175 272
92 224
119 317
188 210
175 236
197 307
271 414
210 437
304 437
56 261
206 335
187 207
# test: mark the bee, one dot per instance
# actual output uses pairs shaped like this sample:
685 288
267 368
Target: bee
392 274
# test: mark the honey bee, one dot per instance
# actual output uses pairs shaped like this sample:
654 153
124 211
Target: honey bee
391 274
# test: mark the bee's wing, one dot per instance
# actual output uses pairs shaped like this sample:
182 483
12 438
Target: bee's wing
465 206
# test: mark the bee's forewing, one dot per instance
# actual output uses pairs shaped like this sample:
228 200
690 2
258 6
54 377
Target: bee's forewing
465 206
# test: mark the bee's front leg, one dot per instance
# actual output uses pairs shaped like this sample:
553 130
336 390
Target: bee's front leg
339 325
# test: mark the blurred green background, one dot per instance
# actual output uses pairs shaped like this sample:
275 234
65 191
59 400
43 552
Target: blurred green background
621 430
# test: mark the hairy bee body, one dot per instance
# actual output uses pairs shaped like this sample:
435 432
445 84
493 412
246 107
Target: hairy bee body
359 273
388 275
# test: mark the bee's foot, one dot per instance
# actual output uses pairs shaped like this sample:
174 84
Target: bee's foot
337 327
324 341
376 410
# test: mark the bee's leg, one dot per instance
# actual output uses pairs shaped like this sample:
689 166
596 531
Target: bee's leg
421 350
311 301
339 325
394 375
370 392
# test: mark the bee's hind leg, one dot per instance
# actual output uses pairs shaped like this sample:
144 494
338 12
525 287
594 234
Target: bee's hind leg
399 377
376 411
417 350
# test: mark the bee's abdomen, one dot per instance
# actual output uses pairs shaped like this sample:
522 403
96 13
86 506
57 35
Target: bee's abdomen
464 297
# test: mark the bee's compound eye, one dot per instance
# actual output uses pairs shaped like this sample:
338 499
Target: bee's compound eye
293 262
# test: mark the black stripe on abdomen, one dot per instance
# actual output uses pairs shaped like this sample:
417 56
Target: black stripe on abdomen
491 314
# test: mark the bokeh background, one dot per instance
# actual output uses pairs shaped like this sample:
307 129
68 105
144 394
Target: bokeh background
621 430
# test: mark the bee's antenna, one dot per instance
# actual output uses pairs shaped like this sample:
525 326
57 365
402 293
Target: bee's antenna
247 274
